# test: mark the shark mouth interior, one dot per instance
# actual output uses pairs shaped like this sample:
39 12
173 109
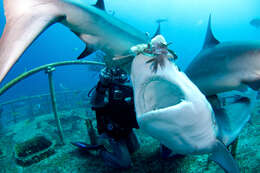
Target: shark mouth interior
161 93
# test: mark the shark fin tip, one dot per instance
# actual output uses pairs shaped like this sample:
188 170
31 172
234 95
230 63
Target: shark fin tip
87 51
210 40
100 5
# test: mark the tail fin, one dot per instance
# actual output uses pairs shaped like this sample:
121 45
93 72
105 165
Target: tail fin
25 21
158 30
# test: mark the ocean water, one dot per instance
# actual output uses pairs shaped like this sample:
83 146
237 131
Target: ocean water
186 25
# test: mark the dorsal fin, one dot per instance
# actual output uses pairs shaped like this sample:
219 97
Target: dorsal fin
100 5
210 40
158 30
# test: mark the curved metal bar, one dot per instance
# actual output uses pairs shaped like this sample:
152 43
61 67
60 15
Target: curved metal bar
44 67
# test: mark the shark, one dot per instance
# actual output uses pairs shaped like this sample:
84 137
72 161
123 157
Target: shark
228 70
170 108
26 20
226 66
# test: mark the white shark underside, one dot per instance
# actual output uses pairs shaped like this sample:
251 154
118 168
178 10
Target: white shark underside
171 91
27 19
171 108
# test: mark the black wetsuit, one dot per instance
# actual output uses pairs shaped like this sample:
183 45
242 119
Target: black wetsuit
116 118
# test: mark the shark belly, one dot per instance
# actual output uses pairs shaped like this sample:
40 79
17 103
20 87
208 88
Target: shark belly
171 108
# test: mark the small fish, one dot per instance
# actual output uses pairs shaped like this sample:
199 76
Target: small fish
255 23
158 30
87 147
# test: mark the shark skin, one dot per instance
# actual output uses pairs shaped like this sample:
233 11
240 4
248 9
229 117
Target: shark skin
227 66
170 108
27 19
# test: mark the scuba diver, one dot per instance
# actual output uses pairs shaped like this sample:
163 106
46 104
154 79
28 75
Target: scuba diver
113 103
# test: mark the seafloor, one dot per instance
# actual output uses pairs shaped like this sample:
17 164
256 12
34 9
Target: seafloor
68 159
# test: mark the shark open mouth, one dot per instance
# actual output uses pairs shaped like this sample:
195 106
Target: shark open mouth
159 93
170 117
167 116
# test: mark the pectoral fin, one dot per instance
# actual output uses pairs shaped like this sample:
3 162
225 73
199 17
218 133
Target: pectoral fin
234 114
224 158
19 33
90 42
87 51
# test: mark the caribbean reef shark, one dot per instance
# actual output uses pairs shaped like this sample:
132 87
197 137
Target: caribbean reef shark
230 68
27 19
173 110
221 67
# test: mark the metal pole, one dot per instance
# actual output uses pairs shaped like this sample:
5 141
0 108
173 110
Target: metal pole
1 124
44 67
49 71
91 131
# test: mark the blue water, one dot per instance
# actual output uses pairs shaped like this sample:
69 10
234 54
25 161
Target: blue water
186 27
